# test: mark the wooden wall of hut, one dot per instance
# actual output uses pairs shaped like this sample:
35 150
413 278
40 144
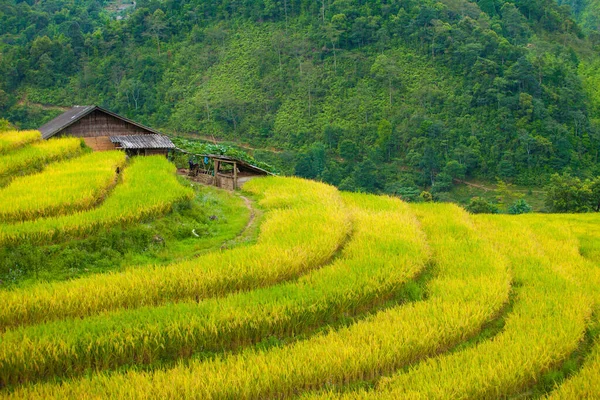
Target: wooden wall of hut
146 152
99 124
99 143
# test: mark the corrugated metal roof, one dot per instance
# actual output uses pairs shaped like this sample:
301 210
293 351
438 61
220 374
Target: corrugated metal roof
65 119
143 142
241 163
74 114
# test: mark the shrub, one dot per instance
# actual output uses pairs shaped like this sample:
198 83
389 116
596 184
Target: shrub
426 196
479 205
519 207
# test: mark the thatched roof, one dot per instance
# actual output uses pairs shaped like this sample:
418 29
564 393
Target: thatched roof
74 114
143 142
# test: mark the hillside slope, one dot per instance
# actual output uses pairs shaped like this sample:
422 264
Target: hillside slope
587 13
376 96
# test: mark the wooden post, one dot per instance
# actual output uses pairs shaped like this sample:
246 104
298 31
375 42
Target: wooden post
216 173
234 175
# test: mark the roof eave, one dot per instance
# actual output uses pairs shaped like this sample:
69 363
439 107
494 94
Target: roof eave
128 120
53 132
86 112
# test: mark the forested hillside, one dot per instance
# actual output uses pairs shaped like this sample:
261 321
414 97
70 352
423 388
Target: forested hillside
587 13
379 95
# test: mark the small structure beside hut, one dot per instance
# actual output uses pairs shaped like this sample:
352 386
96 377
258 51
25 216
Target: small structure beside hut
104 130
222 171
143 144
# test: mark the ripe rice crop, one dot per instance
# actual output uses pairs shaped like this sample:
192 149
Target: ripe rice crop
34 156
586 227
264 321
15 139
294 238
372 267
75 184
472 285
148 187
585 384
546 324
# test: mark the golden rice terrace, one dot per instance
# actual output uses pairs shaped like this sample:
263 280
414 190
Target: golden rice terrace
339 296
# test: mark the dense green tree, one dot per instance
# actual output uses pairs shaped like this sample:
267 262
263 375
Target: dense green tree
594 199
443 183
305 167
387 71
366 176
311 163
566 193
332 135
349 184
455 170
332 174
348 150
411 194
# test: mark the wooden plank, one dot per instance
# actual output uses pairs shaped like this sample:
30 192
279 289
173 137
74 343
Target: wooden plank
101 143
234 175
98 123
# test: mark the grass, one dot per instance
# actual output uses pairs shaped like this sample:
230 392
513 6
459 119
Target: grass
462 194
217 217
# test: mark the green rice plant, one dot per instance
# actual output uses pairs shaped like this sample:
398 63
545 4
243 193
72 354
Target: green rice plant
14 139
386 250
471 287
546 324
71 185
295 237
32 157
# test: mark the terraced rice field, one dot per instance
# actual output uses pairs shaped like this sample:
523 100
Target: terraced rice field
62 188
342 296
13 139
26 158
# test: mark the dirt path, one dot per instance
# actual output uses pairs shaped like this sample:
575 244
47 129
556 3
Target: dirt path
491 189
487 189
247 232
24 102
250 208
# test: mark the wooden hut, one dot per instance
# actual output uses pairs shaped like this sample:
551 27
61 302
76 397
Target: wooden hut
223 171
104 130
